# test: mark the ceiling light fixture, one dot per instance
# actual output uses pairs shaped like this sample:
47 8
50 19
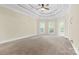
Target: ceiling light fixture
43 7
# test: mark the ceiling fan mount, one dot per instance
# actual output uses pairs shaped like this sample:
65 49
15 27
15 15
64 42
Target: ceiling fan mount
44 6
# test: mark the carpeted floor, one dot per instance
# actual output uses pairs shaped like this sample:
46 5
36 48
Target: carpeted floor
38 45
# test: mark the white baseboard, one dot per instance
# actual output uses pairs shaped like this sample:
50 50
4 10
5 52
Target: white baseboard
18 38
75 49
73 45
67 37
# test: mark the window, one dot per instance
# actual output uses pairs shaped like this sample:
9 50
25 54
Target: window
42 26
51 26
61 28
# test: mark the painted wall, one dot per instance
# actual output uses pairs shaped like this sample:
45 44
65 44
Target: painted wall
73 25
14 25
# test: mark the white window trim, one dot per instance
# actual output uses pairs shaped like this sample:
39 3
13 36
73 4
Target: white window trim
46 27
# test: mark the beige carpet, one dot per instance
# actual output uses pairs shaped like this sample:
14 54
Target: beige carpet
38 45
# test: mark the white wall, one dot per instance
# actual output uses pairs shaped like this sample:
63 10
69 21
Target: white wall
73 25
14 25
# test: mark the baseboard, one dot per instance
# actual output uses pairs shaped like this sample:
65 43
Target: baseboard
71 41
66 37
75 49
18 38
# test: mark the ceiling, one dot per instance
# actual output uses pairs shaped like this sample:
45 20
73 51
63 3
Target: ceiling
55 10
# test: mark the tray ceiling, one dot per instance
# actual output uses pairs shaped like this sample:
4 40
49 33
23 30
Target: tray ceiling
55 10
